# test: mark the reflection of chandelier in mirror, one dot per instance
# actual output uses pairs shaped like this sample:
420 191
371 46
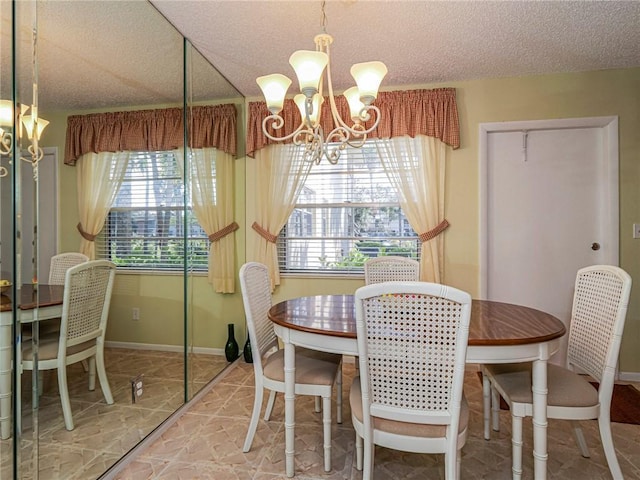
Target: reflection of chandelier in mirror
32 124
310 67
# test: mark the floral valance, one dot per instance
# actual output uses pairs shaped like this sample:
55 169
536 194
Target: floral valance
151 130
433 113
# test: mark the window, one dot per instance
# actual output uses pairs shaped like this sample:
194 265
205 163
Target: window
145 228
345 214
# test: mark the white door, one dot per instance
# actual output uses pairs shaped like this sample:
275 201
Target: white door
549 207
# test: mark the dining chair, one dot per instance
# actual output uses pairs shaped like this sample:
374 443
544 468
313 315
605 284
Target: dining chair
600 301
85 310
412 343
316 372
391 268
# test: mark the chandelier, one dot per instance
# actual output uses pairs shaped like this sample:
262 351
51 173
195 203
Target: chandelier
33 126
310 67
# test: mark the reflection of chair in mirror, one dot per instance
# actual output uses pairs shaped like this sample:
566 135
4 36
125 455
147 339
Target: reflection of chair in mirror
58 267
412 341
391 268
61 263
316 372
598 315
85 309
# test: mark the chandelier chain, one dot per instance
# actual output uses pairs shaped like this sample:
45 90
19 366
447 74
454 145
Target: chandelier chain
323 18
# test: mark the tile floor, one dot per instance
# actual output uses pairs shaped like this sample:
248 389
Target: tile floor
206 443
103 433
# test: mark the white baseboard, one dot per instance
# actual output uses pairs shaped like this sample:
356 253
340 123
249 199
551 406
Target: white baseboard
164 348
629 376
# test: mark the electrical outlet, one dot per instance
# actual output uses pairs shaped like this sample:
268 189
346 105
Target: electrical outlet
137 388
135 313
636 230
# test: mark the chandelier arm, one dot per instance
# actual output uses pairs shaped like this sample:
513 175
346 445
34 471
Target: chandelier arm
5 144
313 143
278 123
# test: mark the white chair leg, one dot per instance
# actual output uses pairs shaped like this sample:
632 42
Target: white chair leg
102 376
495 409
580 440
92 373
326 427
486 406
339 395
317 404
604 423
270 402
64 397
516 447
450 465
369 450
255 415
358 452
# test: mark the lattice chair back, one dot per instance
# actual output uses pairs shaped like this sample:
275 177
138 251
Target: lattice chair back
412 342
391 269
599 311
87 296
256 296
61 263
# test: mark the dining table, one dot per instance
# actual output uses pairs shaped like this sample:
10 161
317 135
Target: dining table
498 333
36 302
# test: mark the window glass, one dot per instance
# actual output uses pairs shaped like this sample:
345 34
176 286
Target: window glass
145 228
345 214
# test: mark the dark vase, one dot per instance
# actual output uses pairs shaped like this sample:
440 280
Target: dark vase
231 348
246 351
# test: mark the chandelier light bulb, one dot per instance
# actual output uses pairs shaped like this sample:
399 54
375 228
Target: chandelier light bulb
368 76
6 113
355 105
274 88
314 115
309 66
29 122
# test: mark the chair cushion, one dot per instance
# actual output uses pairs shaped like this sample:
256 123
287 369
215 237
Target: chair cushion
566 388
312 367
404 428
48 348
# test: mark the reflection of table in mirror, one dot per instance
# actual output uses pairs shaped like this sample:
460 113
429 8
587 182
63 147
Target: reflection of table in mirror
48 300
498 333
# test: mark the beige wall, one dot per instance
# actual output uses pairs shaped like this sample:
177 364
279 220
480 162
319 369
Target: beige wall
601 93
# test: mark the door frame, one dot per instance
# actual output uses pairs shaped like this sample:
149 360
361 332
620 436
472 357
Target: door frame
609 126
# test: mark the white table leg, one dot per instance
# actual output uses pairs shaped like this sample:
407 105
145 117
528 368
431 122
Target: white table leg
289 406
5 377
539 388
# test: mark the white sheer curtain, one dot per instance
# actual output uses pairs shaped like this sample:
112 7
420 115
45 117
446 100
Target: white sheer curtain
99 177
281 171
416 168
211 180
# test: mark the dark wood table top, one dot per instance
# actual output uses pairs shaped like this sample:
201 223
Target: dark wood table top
492 323
30 297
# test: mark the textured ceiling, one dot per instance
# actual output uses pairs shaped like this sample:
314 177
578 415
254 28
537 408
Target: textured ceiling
118 53
419 41
97 54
